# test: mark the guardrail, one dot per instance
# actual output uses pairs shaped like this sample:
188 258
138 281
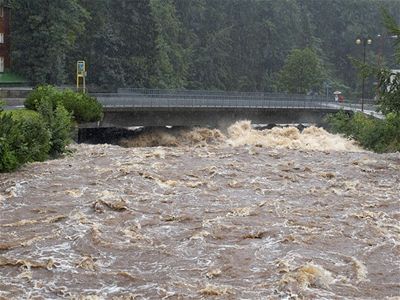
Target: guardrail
144 98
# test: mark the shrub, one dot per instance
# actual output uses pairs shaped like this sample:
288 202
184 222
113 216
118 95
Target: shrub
373 134
61 128
340 122
59 123
8 156
392 132
33 135
83 107
34 143
45 93
24 137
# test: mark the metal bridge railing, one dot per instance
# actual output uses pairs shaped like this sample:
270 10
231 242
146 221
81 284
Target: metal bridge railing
144 98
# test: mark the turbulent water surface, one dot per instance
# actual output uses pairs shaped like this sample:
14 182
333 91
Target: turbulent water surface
242 215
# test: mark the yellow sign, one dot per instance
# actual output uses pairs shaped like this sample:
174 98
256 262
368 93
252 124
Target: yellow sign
81 68
81 74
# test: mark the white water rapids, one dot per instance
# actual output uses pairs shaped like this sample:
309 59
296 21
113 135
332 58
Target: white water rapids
245 214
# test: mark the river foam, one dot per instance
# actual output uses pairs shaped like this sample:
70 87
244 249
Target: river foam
241 134
231 214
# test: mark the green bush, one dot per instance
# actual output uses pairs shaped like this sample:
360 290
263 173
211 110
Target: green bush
45 93
27 136
45 129
340 123
8 156
59 123
83 107
34 142
24 137
392 132
61 128
373 134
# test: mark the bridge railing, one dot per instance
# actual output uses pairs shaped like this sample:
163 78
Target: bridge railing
143 98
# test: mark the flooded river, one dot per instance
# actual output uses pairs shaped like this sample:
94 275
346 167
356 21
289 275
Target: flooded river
241 214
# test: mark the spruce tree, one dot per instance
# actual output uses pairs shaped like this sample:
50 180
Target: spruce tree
43 33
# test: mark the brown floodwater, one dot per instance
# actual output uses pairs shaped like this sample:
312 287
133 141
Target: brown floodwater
244 214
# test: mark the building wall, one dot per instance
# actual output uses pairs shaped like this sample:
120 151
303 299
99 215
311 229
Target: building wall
5 15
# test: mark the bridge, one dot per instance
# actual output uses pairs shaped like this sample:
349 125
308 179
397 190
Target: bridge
143 107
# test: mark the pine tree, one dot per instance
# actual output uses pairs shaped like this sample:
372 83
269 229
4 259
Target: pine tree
137 32
43 33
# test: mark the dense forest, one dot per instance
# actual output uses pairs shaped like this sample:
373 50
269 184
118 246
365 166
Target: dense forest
200 44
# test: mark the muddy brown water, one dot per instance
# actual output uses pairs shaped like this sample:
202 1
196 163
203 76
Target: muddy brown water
252 215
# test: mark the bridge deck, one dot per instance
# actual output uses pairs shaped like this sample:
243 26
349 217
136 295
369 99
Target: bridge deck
196 99
142 107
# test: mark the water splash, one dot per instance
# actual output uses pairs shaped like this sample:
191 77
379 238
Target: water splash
241 134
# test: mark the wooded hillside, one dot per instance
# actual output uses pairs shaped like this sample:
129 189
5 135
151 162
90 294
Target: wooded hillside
196 44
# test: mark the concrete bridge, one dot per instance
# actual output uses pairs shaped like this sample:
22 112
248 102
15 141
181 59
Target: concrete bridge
144 107
140 107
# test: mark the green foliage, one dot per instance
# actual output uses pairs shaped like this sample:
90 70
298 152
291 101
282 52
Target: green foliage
60 127
33 135
340 123
83 107
172 66
24 137
8 136
204 44
301 72
389 101
118 43
43 34
59 123
44 93
373 134
392 132
389 82
34 141
8 159
393 28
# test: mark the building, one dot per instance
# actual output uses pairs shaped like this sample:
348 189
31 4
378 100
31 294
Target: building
5 46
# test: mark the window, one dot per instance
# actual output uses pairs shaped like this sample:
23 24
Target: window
1 38
1 64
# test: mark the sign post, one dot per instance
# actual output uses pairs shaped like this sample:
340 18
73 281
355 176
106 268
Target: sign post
81 74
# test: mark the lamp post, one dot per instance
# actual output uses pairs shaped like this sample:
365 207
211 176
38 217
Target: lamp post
364 41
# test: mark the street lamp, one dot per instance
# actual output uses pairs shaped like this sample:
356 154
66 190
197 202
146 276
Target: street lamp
364 41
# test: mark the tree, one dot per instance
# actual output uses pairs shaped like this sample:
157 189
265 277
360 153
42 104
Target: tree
99 46
301 72
202 44
118 43
43 33
172 57
389 101
137 53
